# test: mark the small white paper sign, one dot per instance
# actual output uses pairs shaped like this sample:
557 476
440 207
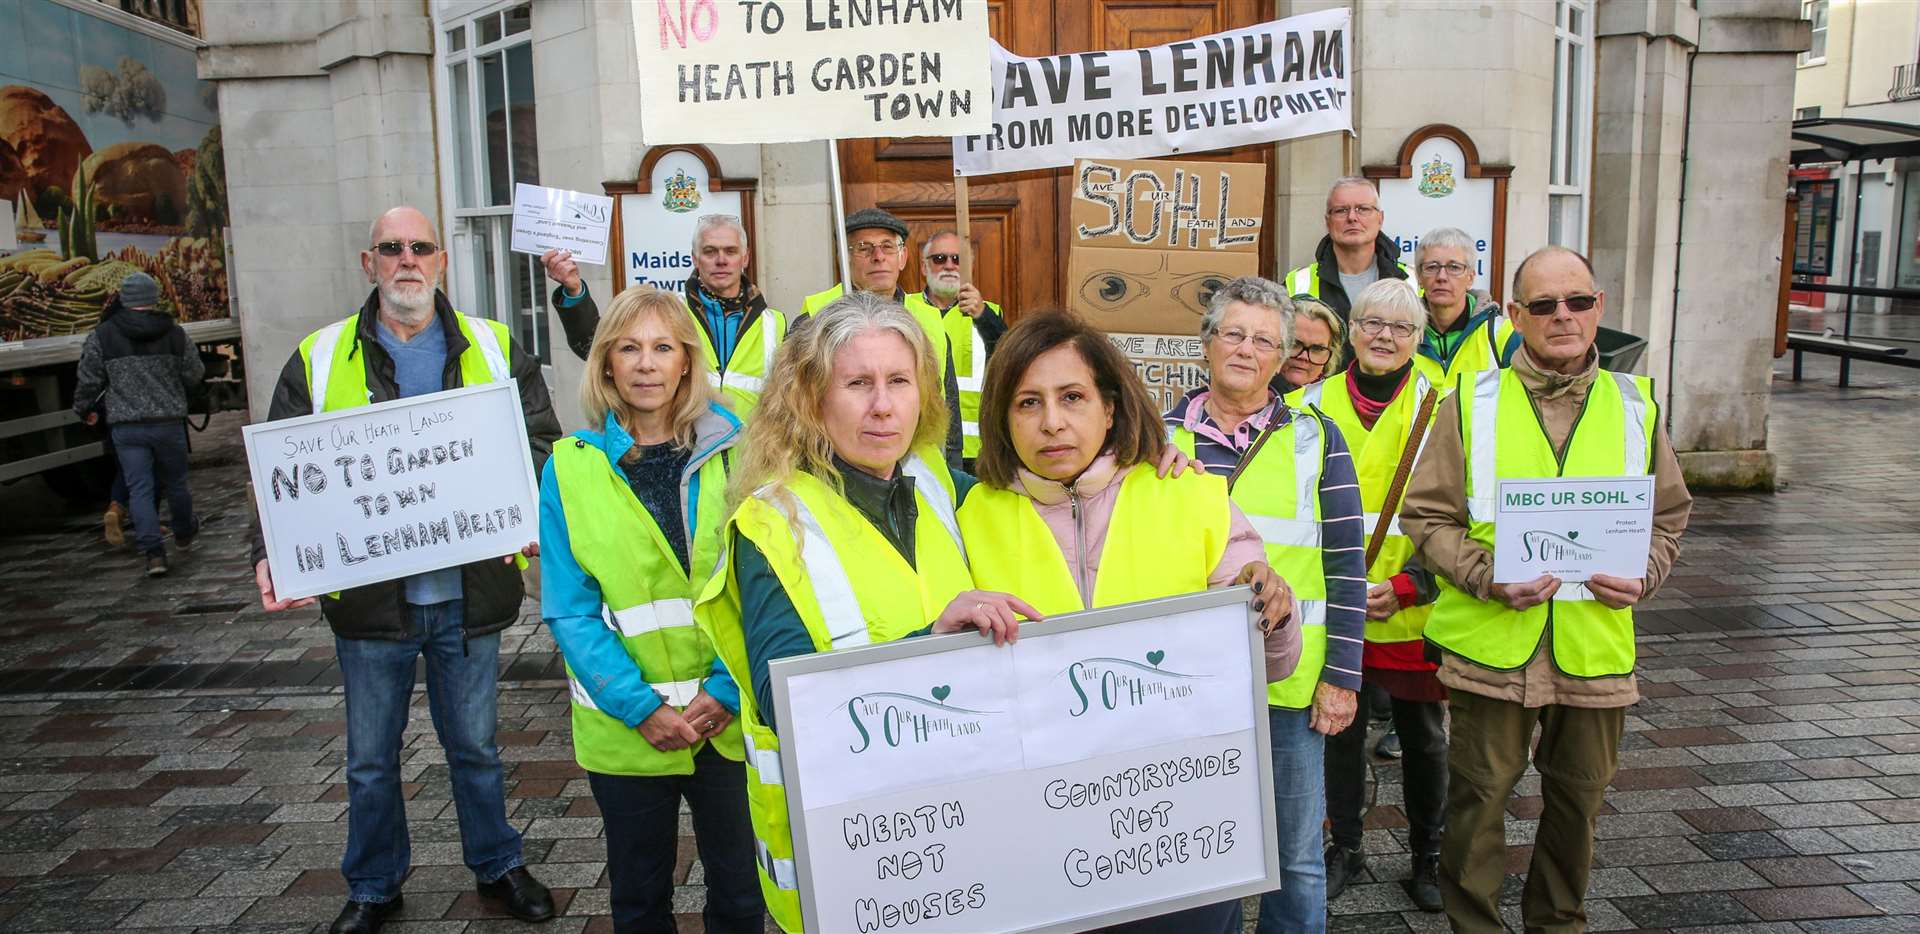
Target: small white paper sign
1572 528
385 491
557 219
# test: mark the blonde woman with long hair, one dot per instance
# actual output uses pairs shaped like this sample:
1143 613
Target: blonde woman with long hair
842 465
630 523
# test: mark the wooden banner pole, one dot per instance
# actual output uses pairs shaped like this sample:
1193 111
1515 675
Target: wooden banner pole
839 211
963 222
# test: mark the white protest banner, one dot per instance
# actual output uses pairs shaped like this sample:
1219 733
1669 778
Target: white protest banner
776 71
1572 528
389 490
1279 80
1110 765
557 219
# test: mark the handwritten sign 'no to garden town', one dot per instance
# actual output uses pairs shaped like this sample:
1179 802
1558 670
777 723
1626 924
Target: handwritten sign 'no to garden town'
1110 765
772 71
385 491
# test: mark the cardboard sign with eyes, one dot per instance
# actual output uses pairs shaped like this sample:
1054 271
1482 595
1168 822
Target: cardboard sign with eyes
1151 241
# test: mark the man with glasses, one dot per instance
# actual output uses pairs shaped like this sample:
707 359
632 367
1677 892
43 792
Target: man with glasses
1354 254
1465 333
877 254
973 327
1541 653
741 331
406 340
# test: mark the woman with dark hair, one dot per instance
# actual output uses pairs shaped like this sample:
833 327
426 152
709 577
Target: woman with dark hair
1070 514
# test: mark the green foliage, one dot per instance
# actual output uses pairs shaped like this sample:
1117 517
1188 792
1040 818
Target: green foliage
207 189
77 225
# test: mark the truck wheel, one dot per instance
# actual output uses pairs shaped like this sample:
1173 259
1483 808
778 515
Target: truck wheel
85 483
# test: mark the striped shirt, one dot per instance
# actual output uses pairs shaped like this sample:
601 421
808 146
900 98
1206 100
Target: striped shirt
1342 522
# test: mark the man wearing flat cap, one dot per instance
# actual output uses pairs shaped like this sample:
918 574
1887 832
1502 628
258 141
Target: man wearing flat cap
877 248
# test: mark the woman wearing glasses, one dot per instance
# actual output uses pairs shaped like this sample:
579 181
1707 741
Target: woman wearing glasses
1465 332
1289 471
1378 402
1318 336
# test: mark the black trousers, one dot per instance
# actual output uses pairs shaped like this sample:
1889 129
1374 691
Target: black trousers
642 818
1423 742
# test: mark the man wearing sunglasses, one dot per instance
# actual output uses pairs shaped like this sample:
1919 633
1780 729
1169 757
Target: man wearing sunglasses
1543 653
877 254
973 327
407 340
1354 254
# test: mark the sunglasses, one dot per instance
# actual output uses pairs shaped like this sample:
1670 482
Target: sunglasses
1541 307
942 259
393 247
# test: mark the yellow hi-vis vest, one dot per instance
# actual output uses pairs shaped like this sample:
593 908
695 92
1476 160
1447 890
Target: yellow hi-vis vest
1280 494
1164 538
1481 349
1306 280
851 588
648 602
337 374
969 364
927 315
746 374
1376 454
1612 437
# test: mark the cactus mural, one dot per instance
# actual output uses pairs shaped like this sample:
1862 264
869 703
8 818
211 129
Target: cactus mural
77 226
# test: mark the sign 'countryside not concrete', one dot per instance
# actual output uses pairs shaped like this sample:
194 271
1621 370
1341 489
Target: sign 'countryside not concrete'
1275 81
774 71
384 491
1110 765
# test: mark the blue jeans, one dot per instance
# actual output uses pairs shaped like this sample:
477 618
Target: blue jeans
1300 806
641 814
155 454
462 690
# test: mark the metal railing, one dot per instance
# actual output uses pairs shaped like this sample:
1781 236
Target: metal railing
1906 83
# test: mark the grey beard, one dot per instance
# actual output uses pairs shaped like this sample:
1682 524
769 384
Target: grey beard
406 309
942 290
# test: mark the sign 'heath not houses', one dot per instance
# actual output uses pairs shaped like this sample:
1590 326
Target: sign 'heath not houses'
772 71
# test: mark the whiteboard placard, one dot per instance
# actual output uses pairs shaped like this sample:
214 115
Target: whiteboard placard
1111 765
384 491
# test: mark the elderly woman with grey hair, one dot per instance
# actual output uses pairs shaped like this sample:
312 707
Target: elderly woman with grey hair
1382 404
1288 469
1463 330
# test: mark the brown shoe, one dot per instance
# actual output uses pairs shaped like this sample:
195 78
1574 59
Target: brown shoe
111 522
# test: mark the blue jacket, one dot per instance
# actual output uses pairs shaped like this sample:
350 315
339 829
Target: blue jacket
570 598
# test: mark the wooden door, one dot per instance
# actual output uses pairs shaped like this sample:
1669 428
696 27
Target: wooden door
1019 220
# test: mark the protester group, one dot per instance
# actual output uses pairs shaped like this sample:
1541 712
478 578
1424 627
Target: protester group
882 464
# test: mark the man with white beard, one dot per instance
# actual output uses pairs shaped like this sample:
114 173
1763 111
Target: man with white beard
407 340
973 327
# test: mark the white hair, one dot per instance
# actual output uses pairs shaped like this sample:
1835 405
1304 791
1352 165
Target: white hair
1351 181
1444 238
1256 291
712 222
1390 298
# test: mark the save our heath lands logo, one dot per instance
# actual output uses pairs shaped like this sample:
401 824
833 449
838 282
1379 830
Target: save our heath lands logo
1106 683
892 719
682 193
1555 548
1436 178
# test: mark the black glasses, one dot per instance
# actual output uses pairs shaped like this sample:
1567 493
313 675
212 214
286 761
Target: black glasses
419 247
1541 307
942 259
1314 353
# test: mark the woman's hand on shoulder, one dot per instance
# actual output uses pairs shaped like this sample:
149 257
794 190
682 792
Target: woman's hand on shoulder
1272 598
993 613
1174 462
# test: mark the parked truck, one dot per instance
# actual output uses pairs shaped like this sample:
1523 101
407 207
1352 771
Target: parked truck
110 164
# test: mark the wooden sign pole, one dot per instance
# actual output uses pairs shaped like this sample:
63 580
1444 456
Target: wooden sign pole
839 211
963 222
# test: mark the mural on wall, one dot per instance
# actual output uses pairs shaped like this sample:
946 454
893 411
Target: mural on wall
110 155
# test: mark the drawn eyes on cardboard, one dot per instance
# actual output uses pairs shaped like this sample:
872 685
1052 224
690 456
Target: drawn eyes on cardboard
1195 292
1110 290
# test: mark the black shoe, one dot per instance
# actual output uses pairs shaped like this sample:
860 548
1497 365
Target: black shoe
1389 746
363 917
156 565
1424 887
521 894
1342 865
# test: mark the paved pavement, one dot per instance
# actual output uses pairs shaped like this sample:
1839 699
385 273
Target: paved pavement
171 757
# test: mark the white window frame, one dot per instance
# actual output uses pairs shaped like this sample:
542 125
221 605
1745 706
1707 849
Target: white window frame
1807 8
464 284
1561 182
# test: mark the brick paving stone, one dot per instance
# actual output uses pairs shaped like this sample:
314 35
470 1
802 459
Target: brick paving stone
1802 870
1825 901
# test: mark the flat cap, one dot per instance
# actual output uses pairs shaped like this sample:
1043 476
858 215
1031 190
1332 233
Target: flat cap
868 218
